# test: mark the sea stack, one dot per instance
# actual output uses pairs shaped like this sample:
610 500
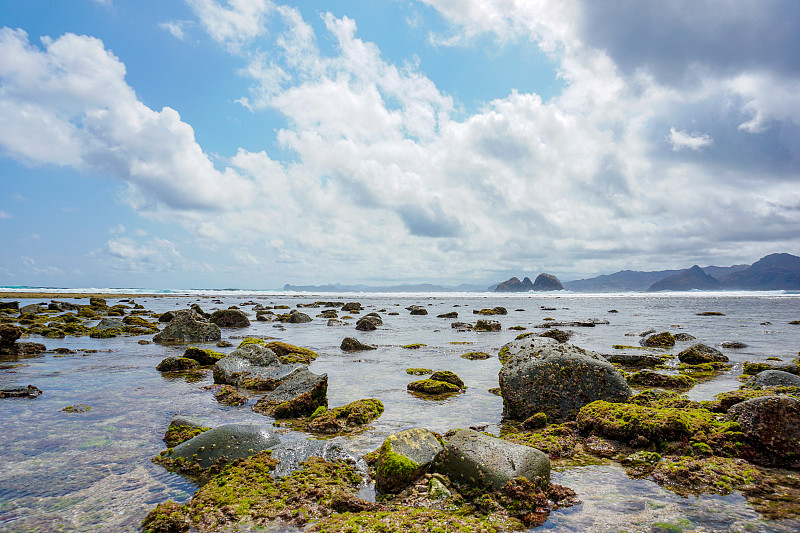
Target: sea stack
547 282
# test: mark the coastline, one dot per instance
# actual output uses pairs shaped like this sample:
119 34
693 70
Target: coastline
56 295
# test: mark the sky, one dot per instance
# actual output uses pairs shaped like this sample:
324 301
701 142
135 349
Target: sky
252 143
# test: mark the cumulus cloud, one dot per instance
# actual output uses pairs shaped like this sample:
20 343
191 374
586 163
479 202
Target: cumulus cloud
681 139
175 28
155 255
68 104
234 24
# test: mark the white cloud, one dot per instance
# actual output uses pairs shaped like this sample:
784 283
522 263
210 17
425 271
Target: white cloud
155 255
69 105
4 215
681 139
237 23
175 28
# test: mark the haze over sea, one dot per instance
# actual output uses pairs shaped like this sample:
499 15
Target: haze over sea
92 471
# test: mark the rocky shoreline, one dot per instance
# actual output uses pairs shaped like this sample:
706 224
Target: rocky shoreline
563 406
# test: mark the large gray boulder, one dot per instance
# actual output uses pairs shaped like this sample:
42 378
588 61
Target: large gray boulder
299 395
226 443
771 426
479 460
529 342
404 457
558 380
253 366
773 378
291 454
186 327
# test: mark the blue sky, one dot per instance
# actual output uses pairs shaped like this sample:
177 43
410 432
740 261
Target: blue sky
249 143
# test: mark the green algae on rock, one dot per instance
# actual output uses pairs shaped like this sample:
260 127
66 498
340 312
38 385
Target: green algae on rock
476 356
403 457
433 387
346 418
419 371
557 440
691 475
178 433
648 378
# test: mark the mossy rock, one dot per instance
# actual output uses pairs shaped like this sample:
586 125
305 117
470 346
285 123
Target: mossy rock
348 417
178 433
659 340
557 334
487 325
641 426
203 356
448 377
176 364
419 371
289 353
693 475
104 333
246 493
139 322
648 378
403 457
228 395
433 387
251 340
414 346
476 356
557 440
662 398
451 314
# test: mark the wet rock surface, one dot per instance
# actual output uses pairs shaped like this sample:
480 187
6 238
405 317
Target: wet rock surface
771 425
224 444
185 327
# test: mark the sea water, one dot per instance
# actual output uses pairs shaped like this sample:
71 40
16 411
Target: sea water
91 471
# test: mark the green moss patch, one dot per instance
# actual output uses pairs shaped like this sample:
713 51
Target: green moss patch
557 441
177 434
690 475
346 418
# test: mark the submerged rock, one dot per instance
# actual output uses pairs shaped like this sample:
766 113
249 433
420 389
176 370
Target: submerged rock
558 380
700 353
347 417
176 364
659 340
404 457
478 460
292 455
185 327
224 444
349 344
20 392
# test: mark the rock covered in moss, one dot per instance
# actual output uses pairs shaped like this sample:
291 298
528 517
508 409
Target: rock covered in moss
526 341
700 353
347 417
176 364
433 387
771 425
185 327
751 368
697 475
253 366
289 353
228 395
478 460
648 378
476 356
352 307
558 379
224 444
183 428
203 356
349 344
487 325
292 455
404 457
659 340
300 395
8 338
20 392
451 314
556 440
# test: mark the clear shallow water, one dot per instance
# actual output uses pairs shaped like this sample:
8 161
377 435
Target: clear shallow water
92 472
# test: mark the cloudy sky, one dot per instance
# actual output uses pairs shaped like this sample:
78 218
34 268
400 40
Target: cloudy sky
251 143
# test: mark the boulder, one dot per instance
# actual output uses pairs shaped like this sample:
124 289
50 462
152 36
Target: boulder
487 325
20 392
348 417
417 310
224 444
700 353
295 317
176 364
659 340
253 366
547 282
290 455
403 458
529 342
352 307
773 378
349 344
109 323
183 428
771 426
478 460
10 306
186 327
30 309
558 380
8 338
300 395
203 356
368 323
229 318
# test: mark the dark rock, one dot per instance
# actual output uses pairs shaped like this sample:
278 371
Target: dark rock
684 337
224 443
299 395
637 360
557 334
547 282
558 380
659 340
348 417
183 428
176 364
451 314
186 327
417 310
329 313
202 356
692 278
352 307
733 345
13 306
30 308
478 460
20 392
448 377
295 317
700 353
433 387
462 326
109 323
8 337
648 378
773 378
487 325
368 323
228 395
403 458
166 317
349 344
229 318
253 366
771 426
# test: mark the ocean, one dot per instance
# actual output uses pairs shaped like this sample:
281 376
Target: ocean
91 471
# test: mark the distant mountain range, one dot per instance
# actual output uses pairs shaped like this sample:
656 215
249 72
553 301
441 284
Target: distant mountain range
772 272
